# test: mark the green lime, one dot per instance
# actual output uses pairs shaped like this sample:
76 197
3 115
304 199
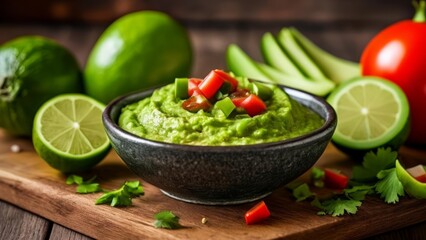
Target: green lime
68 133
413 187
32 70
372 112
138 51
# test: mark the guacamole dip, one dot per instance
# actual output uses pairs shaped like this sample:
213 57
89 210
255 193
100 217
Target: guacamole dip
161 118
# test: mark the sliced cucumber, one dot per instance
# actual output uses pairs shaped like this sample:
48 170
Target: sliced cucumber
298 56
336 69
274 55
241 64
302 83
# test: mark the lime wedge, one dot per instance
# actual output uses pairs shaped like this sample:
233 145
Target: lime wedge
372 112
68 133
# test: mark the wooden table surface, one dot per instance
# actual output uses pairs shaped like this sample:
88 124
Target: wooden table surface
345 35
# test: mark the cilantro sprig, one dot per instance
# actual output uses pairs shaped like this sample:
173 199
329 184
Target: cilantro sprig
166 219
83 187
122 196
376 175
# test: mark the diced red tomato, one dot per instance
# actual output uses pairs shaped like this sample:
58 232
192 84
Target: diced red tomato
227 78
193 85
335 180
239 96
257 213
253 105
418 172
211 84
196 103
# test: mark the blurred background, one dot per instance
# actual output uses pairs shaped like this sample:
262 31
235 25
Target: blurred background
340 27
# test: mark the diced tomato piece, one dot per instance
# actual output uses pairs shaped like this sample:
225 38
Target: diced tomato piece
335 180
196 103
211 84
257 213
239 96
228 78
193 85
253 105
418 172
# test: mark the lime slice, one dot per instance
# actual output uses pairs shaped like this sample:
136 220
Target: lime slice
68 133
372 112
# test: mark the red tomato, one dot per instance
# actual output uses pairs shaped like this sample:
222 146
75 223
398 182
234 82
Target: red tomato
253 105
211 84
398 54
193 85
196 103
228 78
418 172
257 213
335 180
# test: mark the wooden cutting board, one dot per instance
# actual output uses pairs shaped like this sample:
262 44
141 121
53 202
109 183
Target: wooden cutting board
28 182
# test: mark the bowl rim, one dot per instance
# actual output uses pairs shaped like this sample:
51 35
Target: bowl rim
329 124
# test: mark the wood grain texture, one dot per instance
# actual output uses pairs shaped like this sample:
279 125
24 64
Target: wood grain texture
28 182
59 232
17 224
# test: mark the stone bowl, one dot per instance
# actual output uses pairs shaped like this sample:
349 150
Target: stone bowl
220 175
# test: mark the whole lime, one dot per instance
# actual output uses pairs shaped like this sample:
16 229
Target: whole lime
33 69
137 51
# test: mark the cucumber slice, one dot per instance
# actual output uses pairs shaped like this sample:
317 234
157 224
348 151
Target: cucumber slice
335 68
301 83
241 64
276 57
299 57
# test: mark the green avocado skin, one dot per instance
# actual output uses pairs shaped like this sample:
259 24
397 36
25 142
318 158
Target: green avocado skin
137 51
33 69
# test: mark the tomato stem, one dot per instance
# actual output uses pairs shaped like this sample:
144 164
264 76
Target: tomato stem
420 15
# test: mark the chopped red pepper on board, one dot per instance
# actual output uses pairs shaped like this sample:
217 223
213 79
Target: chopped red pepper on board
257 213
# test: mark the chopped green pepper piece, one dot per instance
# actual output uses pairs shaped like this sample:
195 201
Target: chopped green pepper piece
226 106
261 90
181 88
226 87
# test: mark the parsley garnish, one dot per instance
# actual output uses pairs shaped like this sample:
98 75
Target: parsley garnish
166 219
122 196
376 175
389 187
84 186
337 207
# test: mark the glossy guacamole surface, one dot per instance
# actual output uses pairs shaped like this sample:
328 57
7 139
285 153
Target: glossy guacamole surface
161 118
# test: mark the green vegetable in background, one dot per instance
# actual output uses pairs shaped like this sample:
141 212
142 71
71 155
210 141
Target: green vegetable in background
84 186
32 70
137 51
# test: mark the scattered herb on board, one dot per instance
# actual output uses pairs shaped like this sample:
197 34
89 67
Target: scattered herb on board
166 219
376 175
84 186
122 196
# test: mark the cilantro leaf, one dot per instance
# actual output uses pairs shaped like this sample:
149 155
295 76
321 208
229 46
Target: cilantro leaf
389 187
166 219
337 207
373 163
84 186
89 188
317 176
302 192
122 196
358 192
74 179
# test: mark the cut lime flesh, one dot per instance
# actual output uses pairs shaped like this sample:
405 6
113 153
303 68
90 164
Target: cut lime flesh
371 112
68 132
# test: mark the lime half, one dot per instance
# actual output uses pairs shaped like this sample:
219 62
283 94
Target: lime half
372 112
68 133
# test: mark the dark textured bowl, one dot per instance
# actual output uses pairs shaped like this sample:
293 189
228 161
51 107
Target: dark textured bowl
219 175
